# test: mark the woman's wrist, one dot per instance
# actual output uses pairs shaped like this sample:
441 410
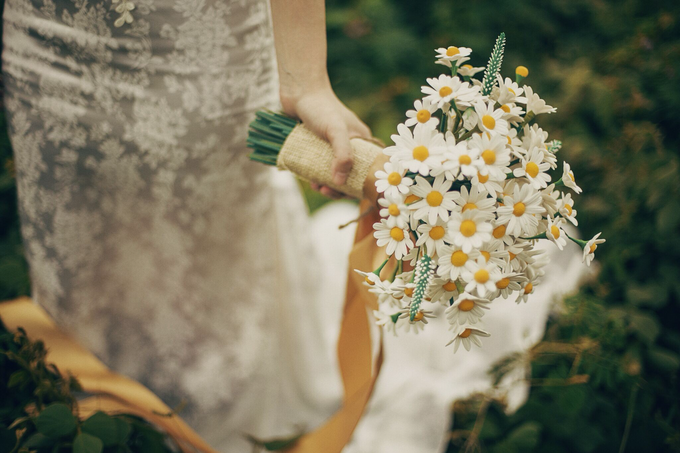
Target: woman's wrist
292 89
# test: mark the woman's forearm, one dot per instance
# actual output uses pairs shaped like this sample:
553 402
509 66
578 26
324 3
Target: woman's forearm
300 40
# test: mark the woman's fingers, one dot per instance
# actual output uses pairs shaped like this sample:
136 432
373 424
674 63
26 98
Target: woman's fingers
338 137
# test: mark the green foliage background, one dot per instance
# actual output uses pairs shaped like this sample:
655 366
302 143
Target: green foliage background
612 69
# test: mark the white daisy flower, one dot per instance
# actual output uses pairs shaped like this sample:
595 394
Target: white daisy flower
510 283
509 92
500 232
391 181
481 276
390 323
419 151
525 291
512 113
590 247
569 180
484 182
445 89
519 209
566 209
432 237
452 54
536 269
422 114
549 197
397 240
555 233
491 119
534 169
493 251
520 255
460 161
469 230
419 320
475 200
467 335
371 279
452 261
442 290
467 309
468 71
495 156
395 210
436 200
536 104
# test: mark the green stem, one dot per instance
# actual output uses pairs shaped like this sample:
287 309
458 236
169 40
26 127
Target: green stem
538 236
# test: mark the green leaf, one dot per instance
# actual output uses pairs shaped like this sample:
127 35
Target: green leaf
56 420
8 439
87 443
110 430
38 440
645 325
525 437
16 378
664 359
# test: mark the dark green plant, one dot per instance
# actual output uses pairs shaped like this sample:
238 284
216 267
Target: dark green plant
38 410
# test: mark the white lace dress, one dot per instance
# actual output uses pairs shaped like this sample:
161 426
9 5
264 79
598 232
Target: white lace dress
149 233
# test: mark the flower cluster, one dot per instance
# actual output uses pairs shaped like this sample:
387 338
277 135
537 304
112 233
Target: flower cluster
465 195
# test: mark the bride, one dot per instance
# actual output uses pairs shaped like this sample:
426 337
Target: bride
155 241
150 235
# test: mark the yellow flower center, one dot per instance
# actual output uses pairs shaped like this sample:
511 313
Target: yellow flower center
528 288
408 291
449 286
420 153
505 108
468 228
466 333
512 256
592 248
418 316
499 231
482 276
459 258
423 115
568 208
434 198
509 140
555 231
437 232
464 160
451 51
503 283
519 209
486 255
411 199
466 305
469 206
467 66
397 234
393 210
532 169
571 175
445 91
489 156
394 178
511 91
522 71
369 281
482 178
489 121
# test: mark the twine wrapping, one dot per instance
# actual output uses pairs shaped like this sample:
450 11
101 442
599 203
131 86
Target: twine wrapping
310 158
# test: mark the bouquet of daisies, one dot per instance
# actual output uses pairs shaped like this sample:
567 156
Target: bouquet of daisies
465 196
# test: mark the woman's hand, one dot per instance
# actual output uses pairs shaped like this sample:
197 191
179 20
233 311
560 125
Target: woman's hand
325 115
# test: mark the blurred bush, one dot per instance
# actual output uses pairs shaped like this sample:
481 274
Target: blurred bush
606 375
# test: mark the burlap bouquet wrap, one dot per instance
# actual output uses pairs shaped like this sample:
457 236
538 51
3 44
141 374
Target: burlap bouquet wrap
310 158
